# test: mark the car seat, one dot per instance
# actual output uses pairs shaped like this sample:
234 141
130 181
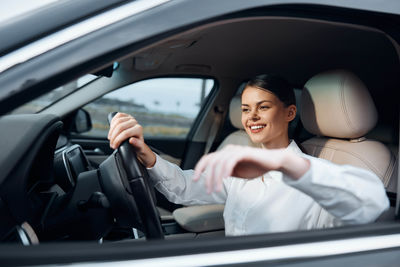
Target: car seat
338 109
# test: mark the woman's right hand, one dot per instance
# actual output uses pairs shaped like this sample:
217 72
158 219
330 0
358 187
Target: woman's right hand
248 162
124 126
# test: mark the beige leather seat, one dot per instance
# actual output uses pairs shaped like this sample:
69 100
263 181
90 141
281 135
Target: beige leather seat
338 109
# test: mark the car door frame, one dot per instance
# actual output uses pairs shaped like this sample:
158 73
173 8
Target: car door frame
28 79
368 245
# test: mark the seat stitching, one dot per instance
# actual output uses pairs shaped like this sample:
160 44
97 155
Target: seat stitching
354 154
390 170
343 103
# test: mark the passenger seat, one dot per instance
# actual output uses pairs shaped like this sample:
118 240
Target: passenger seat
338 109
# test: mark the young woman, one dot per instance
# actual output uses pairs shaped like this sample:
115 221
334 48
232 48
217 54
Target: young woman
268 189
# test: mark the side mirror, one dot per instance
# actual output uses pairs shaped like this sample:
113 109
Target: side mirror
81 122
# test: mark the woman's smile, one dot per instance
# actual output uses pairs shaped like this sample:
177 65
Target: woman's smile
256 128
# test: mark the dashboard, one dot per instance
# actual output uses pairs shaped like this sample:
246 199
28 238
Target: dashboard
40 198
50 192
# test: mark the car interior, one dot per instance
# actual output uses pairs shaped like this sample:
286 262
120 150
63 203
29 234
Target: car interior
346 78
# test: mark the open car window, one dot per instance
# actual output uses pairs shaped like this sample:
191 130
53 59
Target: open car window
165 107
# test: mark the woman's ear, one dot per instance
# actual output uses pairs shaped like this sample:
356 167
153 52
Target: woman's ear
291 112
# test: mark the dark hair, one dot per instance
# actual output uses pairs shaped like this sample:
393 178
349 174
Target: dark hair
276 85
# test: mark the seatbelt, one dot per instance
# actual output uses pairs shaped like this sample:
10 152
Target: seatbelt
214 129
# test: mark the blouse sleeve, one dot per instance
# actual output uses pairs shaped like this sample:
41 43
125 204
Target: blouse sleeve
178 187
350 194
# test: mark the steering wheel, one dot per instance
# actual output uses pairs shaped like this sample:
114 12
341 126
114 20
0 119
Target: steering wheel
125 182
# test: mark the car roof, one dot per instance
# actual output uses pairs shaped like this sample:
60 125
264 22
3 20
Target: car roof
33 25
21 78
49 18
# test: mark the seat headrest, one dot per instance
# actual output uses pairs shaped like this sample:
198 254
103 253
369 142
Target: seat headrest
235 112
337 104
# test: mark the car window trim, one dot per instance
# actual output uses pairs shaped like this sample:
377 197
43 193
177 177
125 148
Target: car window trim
45 19
76 31
61 98
308 251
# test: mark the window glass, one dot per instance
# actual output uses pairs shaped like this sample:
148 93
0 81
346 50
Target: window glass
53 96
48 99
165 107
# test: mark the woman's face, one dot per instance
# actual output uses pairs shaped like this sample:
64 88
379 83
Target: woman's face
265 118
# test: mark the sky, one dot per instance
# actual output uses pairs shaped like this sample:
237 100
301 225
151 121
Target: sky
11 8
171 95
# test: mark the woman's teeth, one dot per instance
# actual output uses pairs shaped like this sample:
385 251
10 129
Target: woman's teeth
257 127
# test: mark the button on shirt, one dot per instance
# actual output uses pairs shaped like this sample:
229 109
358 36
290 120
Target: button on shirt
326 195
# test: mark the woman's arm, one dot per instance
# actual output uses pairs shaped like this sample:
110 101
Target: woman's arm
351 194
178 187
248 162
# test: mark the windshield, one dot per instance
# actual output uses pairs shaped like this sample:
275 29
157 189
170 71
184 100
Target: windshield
53 96
13 8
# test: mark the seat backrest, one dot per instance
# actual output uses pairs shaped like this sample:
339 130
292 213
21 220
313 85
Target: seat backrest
238 137
387 135
338 109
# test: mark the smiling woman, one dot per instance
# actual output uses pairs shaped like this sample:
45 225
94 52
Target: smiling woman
280 181
329 51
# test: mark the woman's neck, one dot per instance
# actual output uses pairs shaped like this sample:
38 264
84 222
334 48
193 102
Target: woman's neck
276 144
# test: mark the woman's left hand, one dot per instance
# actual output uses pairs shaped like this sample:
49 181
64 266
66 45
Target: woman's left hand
247 162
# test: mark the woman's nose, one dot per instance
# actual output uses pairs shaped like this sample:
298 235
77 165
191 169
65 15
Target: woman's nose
254 115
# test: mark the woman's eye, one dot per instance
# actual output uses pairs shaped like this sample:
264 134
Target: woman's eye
245 110
264 107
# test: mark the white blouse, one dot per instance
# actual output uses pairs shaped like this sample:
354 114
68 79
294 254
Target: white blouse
326 195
